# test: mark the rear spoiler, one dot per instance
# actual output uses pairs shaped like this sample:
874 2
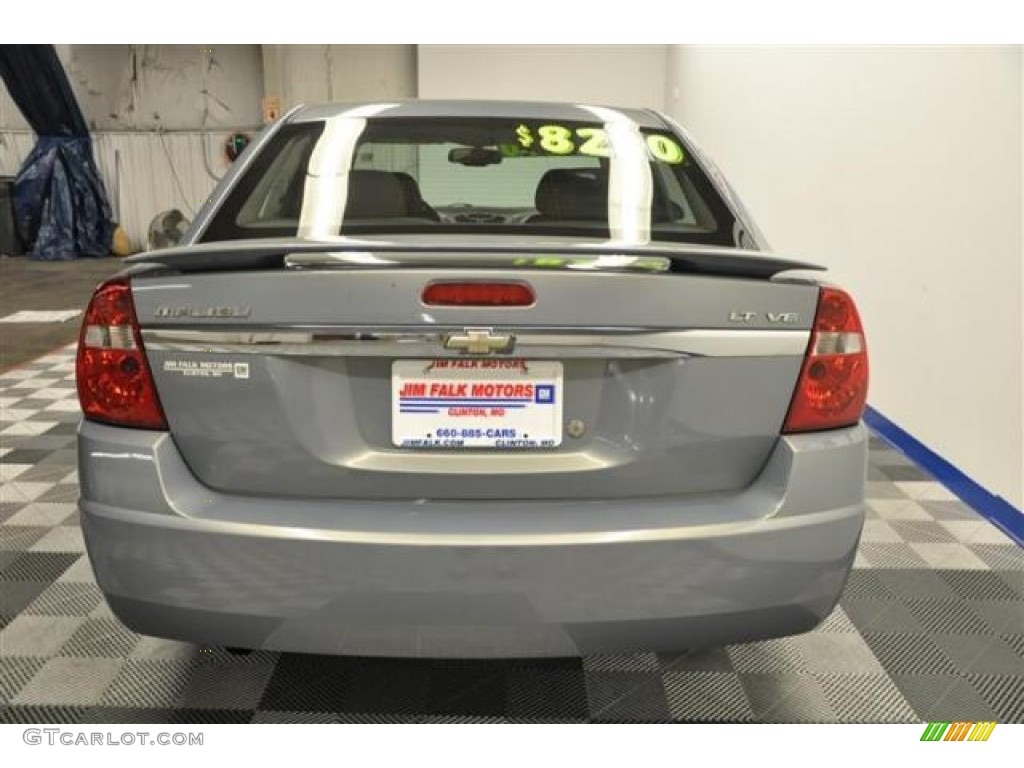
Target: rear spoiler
367 254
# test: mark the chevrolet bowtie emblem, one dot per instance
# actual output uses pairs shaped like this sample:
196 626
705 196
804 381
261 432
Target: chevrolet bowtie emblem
479 341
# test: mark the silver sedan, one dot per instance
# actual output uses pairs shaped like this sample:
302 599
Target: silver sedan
471 379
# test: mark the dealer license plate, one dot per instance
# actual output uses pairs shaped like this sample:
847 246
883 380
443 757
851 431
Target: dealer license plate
456 403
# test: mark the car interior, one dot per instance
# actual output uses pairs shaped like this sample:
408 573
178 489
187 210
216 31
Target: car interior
459 182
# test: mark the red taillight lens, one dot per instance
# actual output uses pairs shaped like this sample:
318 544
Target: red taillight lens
115 385
478 295
833 386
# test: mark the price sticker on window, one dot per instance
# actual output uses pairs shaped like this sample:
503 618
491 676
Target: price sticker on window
590 141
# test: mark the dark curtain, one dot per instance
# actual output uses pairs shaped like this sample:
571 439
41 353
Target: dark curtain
60 205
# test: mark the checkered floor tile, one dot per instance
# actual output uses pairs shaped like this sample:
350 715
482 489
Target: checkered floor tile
930 627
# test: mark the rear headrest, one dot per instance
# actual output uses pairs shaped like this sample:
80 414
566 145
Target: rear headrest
374 195
573 193
415 205
408 184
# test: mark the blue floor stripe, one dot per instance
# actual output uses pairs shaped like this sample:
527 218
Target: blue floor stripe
994 508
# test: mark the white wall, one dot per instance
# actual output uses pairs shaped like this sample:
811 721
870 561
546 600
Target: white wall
613 75
901 170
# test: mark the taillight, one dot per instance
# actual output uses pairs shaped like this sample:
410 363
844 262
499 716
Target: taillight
833 386
115 384
478 294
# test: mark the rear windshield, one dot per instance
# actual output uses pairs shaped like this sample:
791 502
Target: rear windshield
346 176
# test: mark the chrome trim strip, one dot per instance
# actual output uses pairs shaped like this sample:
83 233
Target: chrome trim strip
363 259
354 341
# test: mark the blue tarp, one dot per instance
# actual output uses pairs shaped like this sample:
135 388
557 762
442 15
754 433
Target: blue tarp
60 204
59 201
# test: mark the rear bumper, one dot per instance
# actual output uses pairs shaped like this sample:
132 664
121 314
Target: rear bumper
469 579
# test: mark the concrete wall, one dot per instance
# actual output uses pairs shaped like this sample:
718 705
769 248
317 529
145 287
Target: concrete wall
10 117
614 75
318 73
159 87
900 169
168 87
159 115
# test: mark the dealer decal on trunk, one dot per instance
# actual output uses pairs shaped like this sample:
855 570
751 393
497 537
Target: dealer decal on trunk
207 368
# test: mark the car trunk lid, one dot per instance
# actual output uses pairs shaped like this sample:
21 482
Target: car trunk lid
288 382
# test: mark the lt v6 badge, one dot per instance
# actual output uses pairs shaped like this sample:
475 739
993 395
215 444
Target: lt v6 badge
772 317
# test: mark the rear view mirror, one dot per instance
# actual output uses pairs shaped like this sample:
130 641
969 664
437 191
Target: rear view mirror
475 157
